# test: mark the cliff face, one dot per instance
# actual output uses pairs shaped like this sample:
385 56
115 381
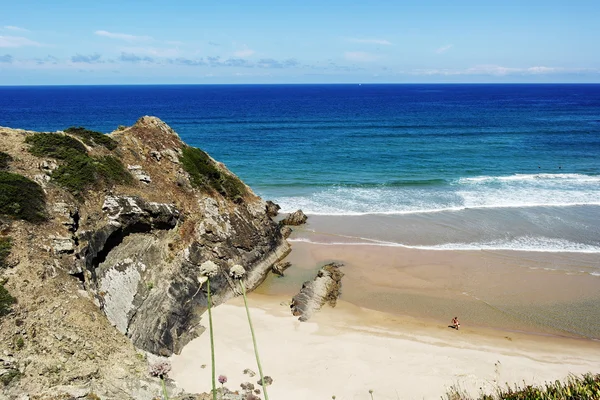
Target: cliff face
131 252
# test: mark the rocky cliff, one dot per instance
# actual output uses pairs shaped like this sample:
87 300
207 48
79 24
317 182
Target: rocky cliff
111 264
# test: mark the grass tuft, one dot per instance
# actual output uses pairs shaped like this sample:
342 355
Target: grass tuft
205 174
4 160
586 387
5 246
92 138
6 300
21 198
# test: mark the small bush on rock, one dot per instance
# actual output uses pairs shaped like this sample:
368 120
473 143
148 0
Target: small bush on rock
4 160
79 171
5 245
92 138
55 145
6 301
204 174
21 198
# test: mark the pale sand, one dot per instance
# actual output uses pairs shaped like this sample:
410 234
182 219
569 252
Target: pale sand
348 350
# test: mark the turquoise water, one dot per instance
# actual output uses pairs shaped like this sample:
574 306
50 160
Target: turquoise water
437 166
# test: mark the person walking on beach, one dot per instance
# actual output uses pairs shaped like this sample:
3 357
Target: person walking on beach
455 323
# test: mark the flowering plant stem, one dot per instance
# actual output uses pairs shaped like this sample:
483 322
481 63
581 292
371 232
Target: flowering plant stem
212 342
164 388
262 379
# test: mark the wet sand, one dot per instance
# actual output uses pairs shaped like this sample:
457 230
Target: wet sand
543 293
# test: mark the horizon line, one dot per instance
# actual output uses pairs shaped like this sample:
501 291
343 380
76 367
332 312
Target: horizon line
299 84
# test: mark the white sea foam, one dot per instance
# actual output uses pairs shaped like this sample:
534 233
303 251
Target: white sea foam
580 178
524 243
534 190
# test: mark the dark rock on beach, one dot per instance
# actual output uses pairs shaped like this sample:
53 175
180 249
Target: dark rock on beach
272 209
280 267
295 218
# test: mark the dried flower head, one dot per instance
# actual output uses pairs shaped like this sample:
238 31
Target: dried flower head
268 380
237 272
222 379
209 269
160 369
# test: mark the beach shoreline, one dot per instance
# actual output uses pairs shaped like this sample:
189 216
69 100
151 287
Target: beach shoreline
390 331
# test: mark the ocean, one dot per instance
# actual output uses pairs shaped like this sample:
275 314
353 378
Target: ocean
441 167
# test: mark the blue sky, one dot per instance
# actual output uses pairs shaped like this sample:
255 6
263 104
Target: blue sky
126 42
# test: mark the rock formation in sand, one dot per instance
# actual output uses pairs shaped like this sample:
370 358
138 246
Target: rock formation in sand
295 218
325 288
108 264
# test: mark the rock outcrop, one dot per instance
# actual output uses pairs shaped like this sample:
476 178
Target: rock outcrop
272 209
295 218
325 288
120 263
280 267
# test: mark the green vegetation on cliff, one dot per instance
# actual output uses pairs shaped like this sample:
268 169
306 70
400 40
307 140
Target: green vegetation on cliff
92 138
586 387
55 145
21 198
5 246
4 160
79 171
204 174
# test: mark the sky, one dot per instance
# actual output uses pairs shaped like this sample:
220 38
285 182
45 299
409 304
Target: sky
326 41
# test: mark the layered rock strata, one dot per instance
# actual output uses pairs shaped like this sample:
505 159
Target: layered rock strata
325 288
123 261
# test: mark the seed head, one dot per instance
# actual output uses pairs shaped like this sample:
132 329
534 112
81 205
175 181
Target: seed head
160 369
237 272
209 269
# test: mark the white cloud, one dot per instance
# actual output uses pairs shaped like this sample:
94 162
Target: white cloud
246 52
16 41
360 56
15 28
371 41
151 51
498 70
444 49
122 36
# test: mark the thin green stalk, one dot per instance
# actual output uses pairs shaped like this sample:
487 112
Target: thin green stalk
164 388
212 343
262 379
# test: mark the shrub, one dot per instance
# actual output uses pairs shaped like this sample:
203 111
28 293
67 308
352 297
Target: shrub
79 171
92 138
10 376
5 245
55 145
4 160
21 198
76 175
204 174
112 171
6 300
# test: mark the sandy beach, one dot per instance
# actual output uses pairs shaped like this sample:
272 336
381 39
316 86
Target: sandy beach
526 317
348 350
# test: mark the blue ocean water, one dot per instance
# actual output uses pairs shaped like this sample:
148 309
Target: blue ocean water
474 166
